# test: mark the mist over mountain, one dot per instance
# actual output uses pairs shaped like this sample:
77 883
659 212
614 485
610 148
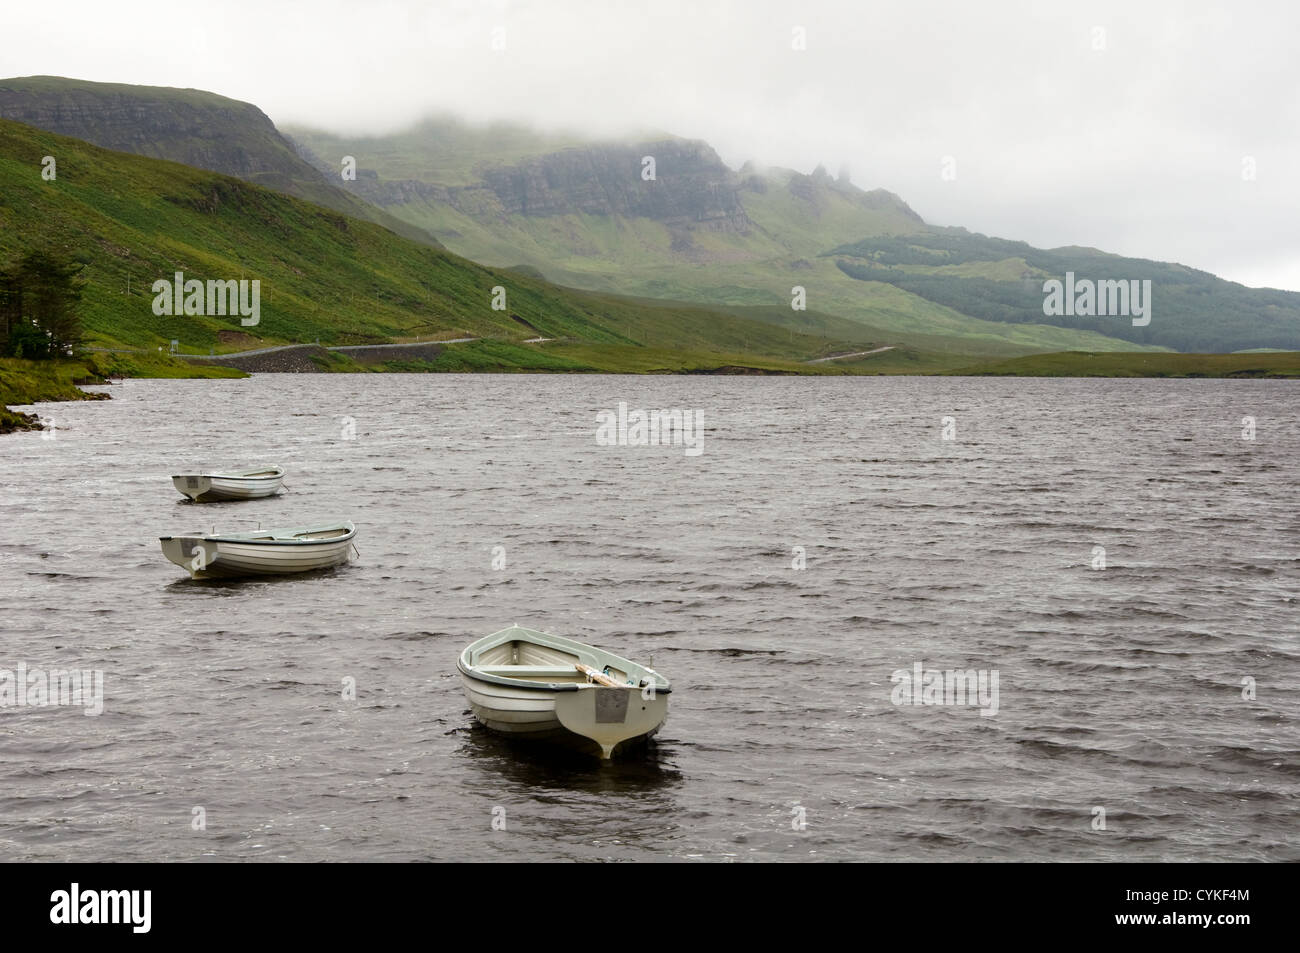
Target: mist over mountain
666 218
130 220
586 214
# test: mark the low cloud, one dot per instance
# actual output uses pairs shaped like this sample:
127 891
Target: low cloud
1125 127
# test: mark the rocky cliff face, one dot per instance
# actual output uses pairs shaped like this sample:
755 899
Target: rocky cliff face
189 126
691 187
819 190
197 129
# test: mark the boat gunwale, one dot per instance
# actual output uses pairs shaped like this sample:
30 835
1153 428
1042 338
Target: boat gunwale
274 541
473 672
263 474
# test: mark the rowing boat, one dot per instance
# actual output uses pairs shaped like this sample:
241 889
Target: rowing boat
529 684
249 485
272 552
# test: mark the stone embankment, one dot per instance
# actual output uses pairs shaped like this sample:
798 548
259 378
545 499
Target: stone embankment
297 358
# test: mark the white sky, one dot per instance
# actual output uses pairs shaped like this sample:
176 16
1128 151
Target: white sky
1136 148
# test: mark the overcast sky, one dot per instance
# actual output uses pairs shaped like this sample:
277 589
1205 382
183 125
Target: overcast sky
1126 126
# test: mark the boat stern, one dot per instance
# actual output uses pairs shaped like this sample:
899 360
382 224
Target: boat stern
192 485
610 716
191 553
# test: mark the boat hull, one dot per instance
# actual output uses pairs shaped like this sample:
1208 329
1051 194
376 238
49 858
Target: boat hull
526 684
223 558
211 487
552 717
512 711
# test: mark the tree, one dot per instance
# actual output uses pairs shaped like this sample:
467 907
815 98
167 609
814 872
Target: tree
40 298
11 309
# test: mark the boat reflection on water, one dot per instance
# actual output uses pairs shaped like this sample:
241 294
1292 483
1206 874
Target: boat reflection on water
646 767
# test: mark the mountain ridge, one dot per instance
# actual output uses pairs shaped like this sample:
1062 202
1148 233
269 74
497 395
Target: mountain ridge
667 219
191 126
132 220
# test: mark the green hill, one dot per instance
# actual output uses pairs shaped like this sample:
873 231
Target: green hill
1003 281
190 126
583 215
328 277
694 233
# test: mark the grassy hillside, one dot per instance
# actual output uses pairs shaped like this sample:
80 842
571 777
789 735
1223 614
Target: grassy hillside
323 276
1003 281
534 205
190 126
437 176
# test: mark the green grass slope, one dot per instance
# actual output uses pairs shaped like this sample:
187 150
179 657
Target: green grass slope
1002 281
323 276
435 176
189 126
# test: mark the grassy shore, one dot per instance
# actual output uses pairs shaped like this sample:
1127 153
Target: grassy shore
1271 364
584 357
29 382
578 357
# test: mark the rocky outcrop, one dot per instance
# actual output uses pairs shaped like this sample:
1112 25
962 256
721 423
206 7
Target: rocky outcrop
691 191
13 421
691 187
189 126
196 128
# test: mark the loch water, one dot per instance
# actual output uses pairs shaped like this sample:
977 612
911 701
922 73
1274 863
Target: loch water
1119 558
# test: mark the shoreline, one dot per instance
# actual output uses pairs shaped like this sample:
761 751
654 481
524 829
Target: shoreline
24 382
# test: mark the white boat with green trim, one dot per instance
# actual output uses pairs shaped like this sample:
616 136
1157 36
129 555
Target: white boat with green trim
529 684
249 485
271 552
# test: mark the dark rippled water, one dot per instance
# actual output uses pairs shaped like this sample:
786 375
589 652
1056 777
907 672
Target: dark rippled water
1119 688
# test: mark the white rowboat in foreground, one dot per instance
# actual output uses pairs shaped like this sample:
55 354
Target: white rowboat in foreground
528 684
250 485
272 552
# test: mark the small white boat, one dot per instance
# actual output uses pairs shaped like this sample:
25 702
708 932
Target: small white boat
271 552
528 684
250 485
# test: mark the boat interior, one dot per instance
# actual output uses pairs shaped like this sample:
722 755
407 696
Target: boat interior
537 663
249 475
332 533
325 534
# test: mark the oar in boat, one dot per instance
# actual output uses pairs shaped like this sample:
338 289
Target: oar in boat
599 677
